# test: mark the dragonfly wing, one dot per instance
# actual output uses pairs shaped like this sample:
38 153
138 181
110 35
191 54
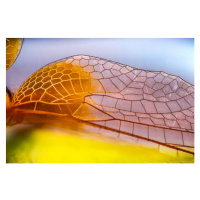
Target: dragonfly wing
113 95
13 48
145 103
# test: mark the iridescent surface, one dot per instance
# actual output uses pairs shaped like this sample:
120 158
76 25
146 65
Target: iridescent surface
93 95
152 105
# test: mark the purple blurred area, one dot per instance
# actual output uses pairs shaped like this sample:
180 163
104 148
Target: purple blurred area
173 56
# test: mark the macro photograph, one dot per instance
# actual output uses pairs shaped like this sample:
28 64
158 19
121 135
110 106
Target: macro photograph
100 100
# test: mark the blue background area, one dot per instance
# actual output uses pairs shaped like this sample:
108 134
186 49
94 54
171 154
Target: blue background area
173 56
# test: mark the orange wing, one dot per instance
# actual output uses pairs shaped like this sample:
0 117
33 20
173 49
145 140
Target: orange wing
153 105
13 48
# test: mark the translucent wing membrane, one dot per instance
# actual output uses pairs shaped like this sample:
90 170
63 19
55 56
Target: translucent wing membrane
13 48
153 105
